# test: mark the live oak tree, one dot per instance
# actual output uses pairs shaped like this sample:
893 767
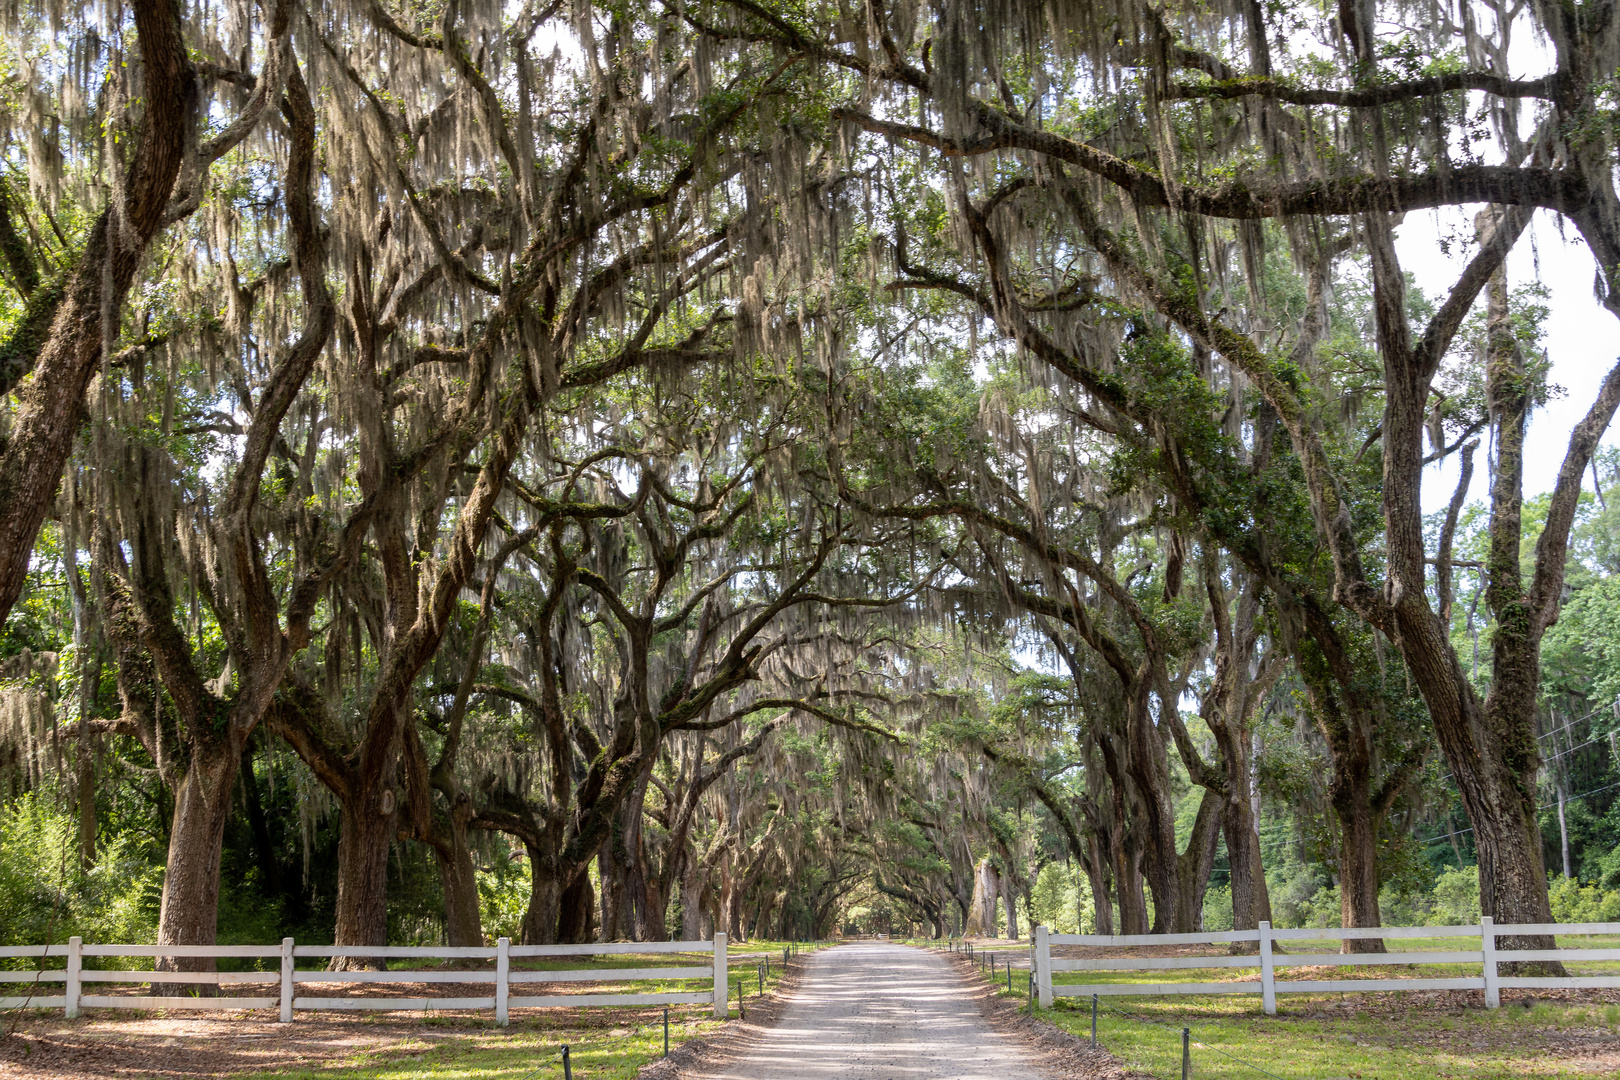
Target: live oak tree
444 296
1146 123
757 460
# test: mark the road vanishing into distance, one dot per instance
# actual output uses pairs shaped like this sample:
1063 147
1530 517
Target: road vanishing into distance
879 1012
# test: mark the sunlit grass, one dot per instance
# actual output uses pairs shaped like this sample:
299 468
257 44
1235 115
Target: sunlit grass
1336 1036
527 1048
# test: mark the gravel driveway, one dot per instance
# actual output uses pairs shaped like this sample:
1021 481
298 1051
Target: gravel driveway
879 1012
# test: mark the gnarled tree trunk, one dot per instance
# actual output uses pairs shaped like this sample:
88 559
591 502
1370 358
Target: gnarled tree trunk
202 809
367 823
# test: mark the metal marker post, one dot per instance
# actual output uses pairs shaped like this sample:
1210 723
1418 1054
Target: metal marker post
1186 1054
666 1031
1094 1021
1009 974
568 1069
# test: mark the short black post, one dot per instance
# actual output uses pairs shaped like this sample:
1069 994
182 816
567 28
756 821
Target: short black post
666 1031
742 1012
1093 1021
1009 974
568 1068
1186 1054
764 970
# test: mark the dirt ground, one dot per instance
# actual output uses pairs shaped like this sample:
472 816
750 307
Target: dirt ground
118 1044
109 1045
1050 1052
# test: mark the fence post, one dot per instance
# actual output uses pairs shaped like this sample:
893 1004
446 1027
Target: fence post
722 1005
75 981
503 978
1043 965
1268 971
287 968
1487 945
1186 1054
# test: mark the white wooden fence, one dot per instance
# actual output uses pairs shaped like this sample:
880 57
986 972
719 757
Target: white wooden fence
1267 960
501 977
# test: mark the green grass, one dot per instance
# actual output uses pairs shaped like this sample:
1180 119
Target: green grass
1383 1036
533 1046
1374 1040
1299 963
527 1048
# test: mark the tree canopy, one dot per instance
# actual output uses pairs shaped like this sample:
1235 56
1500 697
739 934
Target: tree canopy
640 470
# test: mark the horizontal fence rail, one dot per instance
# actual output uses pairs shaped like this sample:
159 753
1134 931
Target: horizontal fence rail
500 978
1267 959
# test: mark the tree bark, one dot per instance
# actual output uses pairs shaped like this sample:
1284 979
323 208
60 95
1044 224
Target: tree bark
51 406
1194 865
1358 853
367 824
1343 720
1009 902
1563 831
85 782
458 878
202 809
1102 907
981 920
541 919
576 911
263 851
692 894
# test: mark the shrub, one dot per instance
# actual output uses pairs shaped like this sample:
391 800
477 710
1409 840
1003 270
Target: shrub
503 893
1573 902
1323 909
1456 897
1218 909
47 897
1293 890
1061 900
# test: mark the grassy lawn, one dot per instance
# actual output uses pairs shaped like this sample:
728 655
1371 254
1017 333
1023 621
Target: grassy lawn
533 1045
1378 1036
1376 1041
525 1049
604 1042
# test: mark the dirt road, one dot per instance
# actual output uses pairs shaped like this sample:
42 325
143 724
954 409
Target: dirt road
880 1012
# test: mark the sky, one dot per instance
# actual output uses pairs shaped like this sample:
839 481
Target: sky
1582 342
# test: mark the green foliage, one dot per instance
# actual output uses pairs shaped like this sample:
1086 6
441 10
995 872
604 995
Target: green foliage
47 897
1218 909
1573 902
1456 898
1293 889
503 894
1322 909
1061 899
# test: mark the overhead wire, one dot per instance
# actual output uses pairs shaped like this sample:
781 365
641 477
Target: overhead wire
1572 798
